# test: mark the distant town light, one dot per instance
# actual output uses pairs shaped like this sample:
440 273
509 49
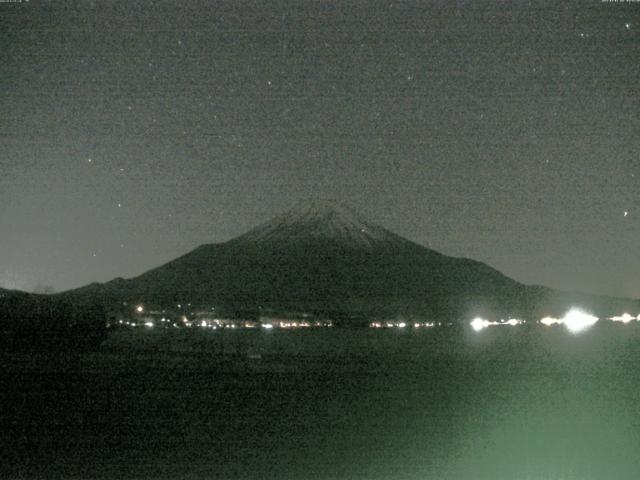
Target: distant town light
624 318
479 323
148 324
402 325
139 309
550 321
577 321
268 326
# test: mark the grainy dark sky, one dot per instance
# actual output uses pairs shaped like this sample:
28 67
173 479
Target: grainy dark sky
134 131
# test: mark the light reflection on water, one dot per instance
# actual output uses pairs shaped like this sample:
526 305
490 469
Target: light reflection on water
541 404
529 402
553 405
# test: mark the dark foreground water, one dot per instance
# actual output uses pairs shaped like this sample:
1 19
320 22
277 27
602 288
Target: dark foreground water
505 403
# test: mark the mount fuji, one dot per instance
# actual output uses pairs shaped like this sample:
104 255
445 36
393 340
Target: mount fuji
317 221
325 259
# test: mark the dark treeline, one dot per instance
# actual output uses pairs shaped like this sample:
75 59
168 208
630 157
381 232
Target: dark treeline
42 322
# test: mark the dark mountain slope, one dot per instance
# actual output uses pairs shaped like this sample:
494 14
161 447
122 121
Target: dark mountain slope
327 259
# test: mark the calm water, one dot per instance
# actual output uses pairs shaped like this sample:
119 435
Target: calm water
504 403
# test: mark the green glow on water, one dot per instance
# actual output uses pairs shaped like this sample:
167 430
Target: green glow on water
508 403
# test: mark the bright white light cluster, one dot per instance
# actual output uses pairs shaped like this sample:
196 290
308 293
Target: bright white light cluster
394 324
624 318
480 323
548 321
577 321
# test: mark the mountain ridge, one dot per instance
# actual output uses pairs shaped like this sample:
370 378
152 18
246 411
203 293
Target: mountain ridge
324 258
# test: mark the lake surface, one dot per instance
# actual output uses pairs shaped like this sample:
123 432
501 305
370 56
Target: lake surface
504 403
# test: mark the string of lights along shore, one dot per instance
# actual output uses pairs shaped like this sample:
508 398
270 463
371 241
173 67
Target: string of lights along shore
506 132
575 321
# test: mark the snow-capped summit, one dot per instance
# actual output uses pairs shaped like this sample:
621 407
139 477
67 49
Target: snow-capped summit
324 220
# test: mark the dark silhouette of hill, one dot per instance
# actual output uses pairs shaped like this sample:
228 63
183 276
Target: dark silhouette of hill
323 258
45 322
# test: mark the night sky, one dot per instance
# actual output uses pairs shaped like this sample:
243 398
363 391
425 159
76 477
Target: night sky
508 132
